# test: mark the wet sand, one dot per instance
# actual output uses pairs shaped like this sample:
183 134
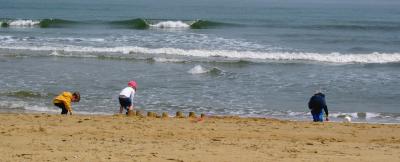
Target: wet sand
43 137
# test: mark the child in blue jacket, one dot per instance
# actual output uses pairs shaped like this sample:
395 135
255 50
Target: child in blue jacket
316 104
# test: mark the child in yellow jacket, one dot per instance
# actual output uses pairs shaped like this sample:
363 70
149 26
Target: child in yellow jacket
64 100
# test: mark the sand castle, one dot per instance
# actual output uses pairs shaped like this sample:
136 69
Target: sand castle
151 114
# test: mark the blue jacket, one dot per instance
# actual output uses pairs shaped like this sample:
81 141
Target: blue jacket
317 103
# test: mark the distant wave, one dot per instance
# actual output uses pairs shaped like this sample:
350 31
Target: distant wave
44 23
142 23
228 54
165 23
132 23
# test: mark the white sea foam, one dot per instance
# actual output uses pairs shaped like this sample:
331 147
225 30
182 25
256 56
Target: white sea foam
23 23
12 105
278 56
72 39
198 69
54 53
54 109
292 113
42 109
359 115
6 38
170 24
372 115
92 113
160 59
22 106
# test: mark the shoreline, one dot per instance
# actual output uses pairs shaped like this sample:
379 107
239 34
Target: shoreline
51 137
336 120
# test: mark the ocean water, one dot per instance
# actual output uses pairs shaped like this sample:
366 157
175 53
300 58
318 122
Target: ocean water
255 58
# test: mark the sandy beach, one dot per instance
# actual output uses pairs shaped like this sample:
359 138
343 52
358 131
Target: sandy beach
49 137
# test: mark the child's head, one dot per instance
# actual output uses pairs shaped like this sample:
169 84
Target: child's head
132 84
76 97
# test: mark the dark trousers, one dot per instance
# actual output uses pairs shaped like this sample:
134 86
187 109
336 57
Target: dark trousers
125 102
64 110
318 117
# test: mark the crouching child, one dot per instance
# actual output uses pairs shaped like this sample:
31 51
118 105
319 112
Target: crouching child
126 97
63 101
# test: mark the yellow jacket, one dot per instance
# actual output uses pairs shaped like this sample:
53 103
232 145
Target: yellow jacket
65 98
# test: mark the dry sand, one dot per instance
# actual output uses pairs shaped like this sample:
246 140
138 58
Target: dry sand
42 137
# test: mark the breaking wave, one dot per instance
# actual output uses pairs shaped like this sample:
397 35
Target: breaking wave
161 23
19 23
198 69
170 24
44 23
221 54
133 23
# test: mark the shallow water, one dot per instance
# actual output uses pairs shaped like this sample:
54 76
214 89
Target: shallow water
218 88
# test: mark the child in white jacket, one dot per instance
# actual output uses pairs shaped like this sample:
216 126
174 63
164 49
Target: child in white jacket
126 97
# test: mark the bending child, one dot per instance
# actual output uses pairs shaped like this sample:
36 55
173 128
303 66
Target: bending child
126 97
316 104
64 100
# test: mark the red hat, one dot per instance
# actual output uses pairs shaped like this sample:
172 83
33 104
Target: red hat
132 83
